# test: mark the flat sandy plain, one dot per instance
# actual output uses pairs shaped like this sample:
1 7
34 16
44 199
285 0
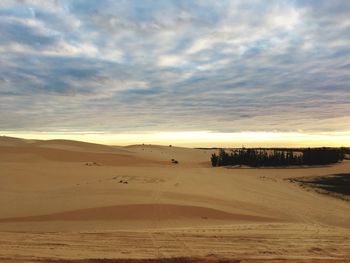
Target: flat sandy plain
67 201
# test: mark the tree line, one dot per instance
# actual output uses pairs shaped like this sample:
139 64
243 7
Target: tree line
285 157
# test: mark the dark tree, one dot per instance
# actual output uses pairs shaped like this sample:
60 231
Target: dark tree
214 160
277 157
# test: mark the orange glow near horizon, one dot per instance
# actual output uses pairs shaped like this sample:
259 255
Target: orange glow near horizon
200 138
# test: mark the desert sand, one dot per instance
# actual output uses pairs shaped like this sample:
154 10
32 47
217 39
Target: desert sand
69 201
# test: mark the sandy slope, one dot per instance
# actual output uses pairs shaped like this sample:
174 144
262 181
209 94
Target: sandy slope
72 200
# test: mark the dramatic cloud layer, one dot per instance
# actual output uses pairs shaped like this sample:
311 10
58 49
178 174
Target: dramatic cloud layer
224 66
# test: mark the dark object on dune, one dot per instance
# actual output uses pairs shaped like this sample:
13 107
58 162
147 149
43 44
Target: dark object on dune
275 158
92 164
170 145
174 161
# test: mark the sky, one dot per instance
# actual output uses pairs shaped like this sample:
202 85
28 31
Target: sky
193 73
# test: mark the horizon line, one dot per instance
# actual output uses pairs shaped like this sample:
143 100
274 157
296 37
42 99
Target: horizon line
197 139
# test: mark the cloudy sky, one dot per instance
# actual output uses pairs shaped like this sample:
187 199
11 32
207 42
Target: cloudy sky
176 68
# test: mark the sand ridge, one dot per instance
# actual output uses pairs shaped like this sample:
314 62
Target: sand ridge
140 212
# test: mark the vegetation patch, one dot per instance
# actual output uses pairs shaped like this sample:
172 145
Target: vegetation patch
274 158
336 184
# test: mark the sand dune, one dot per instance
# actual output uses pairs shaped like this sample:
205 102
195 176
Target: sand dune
11 141
140 212
79 146
59 198
10 153
185 156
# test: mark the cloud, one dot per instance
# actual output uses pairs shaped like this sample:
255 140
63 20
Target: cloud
228 66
